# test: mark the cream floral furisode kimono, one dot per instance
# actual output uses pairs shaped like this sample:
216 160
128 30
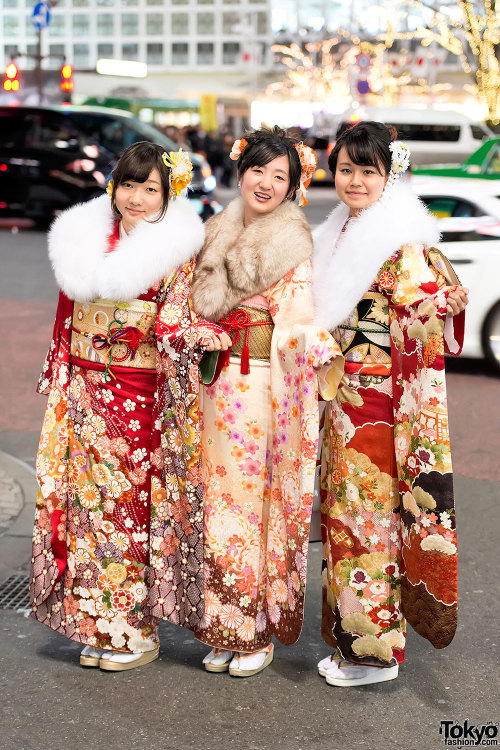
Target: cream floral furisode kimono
259 429
388 519
117 538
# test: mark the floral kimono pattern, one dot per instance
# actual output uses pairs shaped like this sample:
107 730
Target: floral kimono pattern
259 447
117 540
388 522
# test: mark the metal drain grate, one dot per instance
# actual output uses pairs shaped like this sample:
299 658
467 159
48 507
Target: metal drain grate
14 593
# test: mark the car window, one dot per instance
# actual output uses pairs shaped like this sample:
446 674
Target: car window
492 161
422 132
13 129
49 131
461 220
115 134
478 133
444 206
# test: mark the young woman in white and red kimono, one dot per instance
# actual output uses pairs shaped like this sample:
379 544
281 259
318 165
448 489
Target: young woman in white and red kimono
260 413
117 539
388 520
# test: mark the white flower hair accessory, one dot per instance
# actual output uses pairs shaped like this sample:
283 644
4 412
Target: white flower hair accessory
399 164
180 170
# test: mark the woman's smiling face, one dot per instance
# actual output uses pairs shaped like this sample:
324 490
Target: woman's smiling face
264 188
357 186
139 200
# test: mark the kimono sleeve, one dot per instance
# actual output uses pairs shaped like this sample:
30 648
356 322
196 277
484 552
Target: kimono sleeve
177 326
408 278
59 346
291 307
417 314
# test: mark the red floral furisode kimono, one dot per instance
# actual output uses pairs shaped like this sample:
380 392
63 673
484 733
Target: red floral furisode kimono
388 517
117 538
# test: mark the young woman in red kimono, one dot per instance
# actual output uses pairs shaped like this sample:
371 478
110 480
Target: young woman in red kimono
117 538
388 522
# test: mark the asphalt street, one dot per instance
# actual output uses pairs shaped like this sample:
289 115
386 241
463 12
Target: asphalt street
49 701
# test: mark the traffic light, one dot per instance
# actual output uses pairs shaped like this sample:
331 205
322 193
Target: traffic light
67 78
10 80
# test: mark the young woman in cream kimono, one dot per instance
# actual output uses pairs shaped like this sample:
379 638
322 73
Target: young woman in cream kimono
388 522
259 413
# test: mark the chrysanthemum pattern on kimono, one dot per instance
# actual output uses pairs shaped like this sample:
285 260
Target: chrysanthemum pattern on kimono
387 500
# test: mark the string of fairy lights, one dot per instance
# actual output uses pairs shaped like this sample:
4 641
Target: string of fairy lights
320 69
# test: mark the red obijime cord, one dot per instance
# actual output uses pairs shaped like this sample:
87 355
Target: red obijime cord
235 322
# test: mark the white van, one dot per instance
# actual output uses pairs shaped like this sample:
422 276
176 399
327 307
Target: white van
434 136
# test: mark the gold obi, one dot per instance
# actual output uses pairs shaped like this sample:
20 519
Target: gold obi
115 333
253 325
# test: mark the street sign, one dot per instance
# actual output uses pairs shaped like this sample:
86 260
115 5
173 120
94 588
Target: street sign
41 16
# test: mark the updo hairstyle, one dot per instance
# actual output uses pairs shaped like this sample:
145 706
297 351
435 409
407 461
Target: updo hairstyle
367 144
135 165
266 144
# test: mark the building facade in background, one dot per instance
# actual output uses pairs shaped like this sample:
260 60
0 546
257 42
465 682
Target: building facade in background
165 34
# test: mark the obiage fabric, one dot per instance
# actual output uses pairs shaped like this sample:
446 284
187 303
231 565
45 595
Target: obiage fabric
259 448
388 520
117 541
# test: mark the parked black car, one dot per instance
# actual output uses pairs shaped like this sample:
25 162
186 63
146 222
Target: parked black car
53 157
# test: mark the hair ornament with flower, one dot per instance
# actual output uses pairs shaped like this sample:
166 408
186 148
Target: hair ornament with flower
238 148
308 162
109 188
399 164
180 170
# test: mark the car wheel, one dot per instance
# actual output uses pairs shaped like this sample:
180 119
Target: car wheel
491 337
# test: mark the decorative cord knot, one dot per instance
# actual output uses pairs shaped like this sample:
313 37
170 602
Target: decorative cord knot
236 321
117 334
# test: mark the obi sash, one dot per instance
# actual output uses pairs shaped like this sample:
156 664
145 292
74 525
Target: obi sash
115 333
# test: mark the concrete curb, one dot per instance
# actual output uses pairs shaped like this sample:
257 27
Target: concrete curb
18 488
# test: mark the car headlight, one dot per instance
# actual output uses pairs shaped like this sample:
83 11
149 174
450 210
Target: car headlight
209 183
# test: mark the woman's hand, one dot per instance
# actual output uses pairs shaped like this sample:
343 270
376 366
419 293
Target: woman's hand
214 340
457 301
219 342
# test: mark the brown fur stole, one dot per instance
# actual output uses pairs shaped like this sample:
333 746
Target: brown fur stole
238 262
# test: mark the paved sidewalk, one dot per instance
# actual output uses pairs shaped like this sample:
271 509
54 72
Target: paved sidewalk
49 701
17 511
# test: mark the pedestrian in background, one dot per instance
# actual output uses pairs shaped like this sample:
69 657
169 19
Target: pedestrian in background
117 538
388 521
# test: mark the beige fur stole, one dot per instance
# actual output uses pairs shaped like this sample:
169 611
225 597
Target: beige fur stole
238 262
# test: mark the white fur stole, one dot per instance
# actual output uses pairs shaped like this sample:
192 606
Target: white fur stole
78 240
346 264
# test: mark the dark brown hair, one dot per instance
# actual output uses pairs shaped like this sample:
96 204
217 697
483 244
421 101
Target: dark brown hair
266 144
135 165
367 144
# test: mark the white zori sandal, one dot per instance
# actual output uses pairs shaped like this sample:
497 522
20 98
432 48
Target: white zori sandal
246 665
218 660
90 656
346 674
119 661
329 662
